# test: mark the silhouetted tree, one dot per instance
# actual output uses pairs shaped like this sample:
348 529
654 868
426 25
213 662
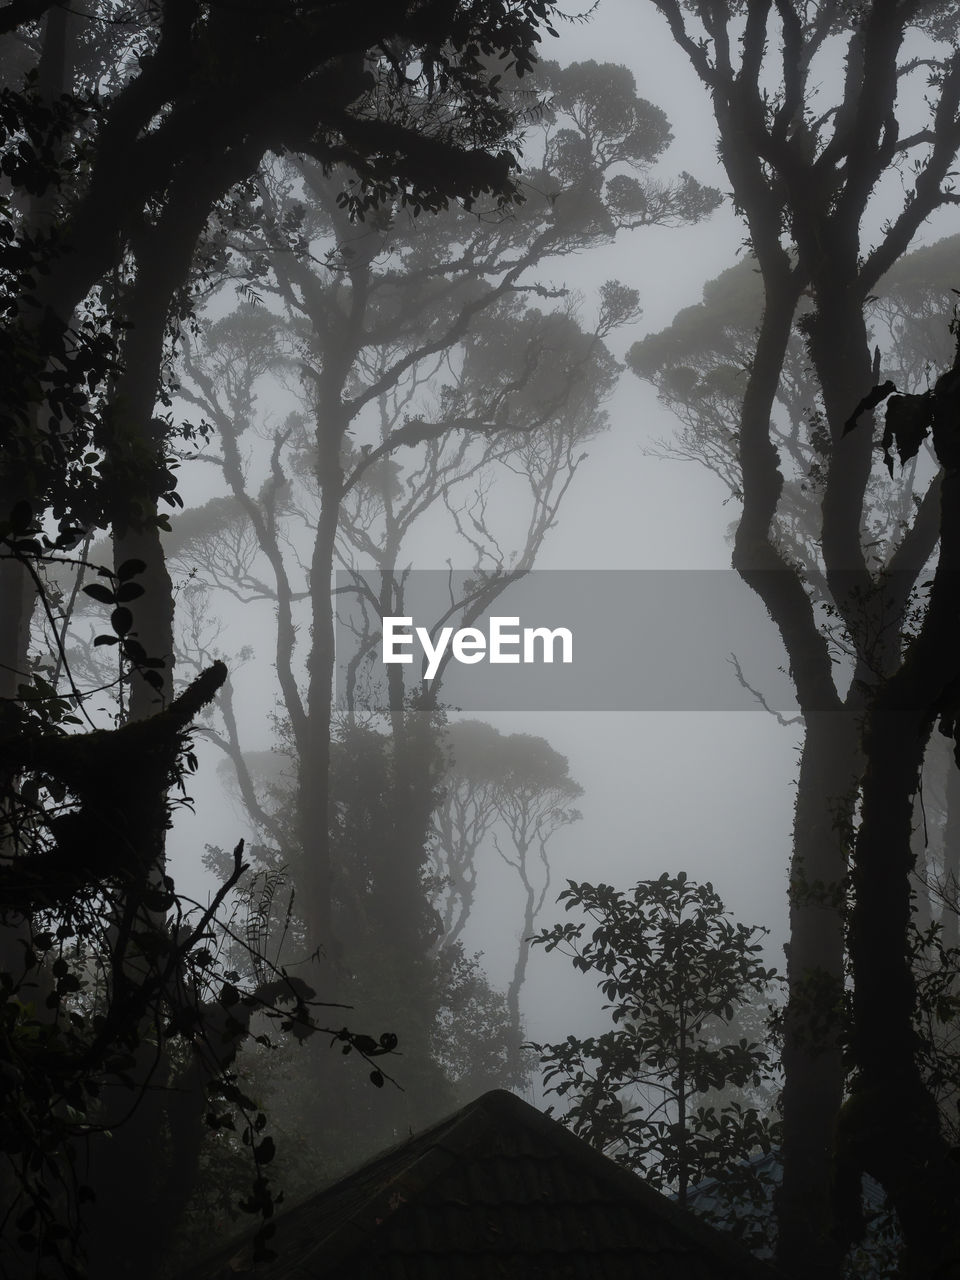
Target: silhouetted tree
674 970
699 366
816 174
121 154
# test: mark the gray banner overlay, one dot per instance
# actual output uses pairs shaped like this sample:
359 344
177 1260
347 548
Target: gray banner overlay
641 640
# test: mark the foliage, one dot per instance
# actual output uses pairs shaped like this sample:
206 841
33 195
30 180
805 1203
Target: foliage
117 997
130 149
513 791
937 970
474 1037
675 971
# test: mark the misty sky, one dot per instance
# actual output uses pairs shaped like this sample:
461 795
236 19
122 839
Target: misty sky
711 793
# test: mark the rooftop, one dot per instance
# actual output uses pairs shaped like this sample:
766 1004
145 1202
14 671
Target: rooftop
497 1191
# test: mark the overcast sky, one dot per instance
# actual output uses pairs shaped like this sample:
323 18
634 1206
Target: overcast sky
712 792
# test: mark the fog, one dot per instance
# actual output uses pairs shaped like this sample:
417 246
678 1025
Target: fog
706 792
445 489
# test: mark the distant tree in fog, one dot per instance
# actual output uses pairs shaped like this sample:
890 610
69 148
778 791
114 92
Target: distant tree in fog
435 371
512 792
419 342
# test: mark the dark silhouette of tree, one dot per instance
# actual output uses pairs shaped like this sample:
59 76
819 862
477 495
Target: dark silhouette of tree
805 178
915 1165
674 971
122 155
699 366
112 1028
159 151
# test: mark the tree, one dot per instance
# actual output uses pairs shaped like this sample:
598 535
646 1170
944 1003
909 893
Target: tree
805 180
100 989
431 362
514 791
158 152
675 971
397 322
699 364
127 236
122 155
914 1165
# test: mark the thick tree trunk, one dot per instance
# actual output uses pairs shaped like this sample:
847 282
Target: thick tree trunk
17 599
891 1126
813 1067
125 1207
337 344
812 1051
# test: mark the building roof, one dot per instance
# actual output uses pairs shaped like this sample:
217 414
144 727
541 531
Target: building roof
498 1191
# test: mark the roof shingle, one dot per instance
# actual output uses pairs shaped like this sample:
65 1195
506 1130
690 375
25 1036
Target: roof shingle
497 1191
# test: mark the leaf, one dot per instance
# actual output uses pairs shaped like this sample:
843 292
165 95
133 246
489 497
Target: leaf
106 640
376 1078
870 401
129 591
21 517
908 420
154 679
229 995
121 620
130 568
97 591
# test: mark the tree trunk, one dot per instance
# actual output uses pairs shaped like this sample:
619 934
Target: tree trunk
314 765
125 1208
812 1054
520 966
891 1126
951 860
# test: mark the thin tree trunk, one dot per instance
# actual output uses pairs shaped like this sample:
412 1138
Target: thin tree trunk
950 916
314 764
520 966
